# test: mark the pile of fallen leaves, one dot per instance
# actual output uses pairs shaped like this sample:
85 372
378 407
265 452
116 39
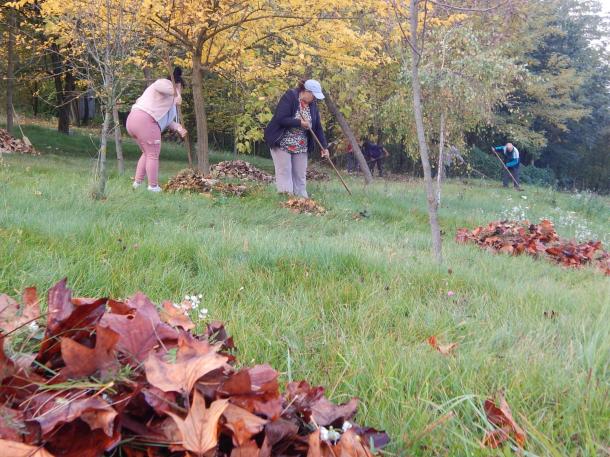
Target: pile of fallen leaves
539 240
316 175
9 145
191 180
108 377
304 206
240 169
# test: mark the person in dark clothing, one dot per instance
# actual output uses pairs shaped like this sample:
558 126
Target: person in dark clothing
289 136
374 154
510 155
352 163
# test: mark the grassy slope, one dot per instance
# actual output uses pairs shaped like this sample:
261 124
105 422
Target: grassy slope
340 302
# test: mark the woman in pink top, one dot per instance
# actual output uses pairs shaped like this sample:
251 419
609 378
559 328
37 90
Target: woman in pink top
152 113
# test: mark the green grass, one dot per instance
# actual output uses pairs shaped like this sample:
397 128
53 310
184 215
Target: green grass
339 302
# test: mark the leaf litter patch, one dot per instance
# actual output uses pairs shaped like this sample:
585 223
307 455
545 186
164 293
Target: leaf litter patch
109 377
240 169
304 206
538 240
189 180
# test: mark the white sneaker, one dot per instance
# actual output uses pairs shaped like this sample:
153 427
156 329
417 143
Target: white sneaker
136 184
154 189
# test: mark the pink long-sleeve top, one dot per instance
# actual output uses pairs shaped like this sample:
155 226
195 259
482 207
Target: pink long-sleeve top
158 100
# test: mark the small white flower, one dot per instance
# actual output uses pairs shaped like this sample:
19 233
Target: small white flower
186 297
346 426
200 296
33 327
176 305
323 433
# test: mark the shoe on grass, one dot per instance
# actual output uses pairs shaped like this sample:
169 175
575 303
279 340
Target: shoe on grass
154 188
136 184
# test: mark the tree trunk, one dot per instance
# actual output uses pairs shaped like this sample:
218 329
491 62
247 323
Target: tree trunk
347 131
99 190
35 99
421 138
118 143
203 159
10 68
441 166
148 76
63 112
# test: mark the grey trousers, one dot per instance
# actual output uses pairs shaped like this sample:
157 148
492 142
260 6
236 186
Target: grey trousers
290 172
506 179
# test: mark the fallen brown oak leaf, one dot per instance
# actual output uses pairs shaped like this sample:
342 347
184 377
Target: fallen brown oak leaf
311 403
255 389
51 411
500 416
182 375
445 349
82 361
14 449
200 429
243 424
13 316
140 330
175 316
68 318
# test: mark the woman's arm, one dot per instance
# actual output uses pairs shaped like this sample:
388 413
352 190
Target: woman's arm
177 128
284 114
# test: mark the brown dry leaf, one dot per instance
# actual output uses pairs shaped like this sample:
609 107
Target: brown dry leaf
82 361
350 445
68 317
249 449
14 449
50 411
76 439
200 428
175 316
255 389
502 418
182 375
326 413
243 424
140 331
7 366
13 316
445 349
314 444
279 436
11 424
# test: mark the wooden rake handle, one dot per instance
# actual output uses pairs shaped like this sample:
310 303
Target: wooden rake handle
327 157
506 168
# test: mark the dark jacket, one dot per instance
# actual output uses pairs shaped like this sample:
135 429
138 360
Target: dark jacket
284 118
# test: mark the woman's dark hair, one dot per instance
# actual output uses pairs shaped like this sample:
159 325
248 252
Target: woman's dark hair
301 85
177 76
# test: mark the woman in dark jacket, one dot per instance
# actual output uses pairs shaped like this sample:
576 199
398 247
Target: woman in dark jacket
289 137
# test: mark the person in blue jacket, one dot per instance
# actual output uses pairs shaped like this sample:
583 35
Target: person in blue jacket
510 155
289 136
